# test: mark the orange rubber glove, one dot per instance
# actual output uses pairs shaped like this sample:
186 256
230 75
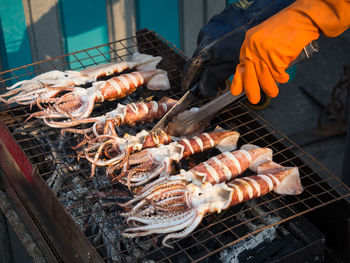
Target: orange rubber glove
271 46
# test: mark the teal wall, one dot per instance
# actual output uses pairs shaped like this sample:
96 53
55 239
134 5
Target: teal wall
3 54
84 29
15 46
81 29
83 25
230 1
161 16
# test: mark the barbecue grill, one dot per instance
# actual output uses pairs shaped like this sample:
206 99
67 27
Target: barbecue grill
74 218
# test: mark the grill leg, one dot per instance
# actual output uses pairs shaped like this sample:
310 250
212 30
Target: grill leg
5 244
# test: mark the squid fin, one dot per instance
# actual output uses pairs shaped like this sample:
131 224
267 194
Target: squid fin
269 167
290 184
229 143
159 81
262 155
217 128
145 61
248 147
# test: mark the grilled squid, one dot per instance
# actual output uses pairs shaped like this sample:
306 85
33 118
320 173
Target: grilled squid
177 211
130 114
79 103
156 162
45 87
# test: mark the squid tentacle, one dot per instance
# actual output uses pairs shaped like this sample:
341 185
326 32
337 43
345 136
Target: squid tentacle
113 151
192 225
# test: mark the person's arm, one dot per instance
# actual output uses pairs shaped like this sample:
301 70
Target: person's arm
225 34
271 46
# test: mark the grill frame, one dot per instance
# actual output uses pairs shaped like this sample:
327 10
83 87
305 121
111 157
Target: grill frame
49 223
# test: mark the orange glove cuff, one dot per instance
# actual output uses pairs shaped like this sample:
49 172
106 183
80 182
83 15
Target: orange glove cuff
332 17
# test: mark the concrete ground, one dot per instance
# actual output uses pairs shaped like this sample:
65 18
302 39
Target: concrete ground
292 112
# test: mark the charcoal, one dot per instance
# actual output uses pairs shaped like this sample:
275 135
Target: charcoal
100 180
236 252
111 239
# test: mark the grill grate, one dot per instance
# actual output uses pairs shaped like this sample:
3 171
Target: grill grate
89 201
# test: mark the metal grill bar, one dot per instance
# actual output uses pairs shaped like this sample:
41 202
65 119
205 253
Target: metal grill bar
70 181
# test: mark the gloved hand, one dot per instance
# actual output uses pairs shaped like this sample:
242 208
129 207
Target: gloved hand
229 28
270 47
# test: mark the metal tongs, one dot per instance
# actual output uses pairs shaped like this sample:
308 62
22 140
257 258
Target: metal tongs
207 111
190 84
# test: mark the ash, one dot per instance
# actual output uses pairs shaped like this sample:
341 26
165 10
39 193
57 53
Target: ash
232 254
105 231
236 253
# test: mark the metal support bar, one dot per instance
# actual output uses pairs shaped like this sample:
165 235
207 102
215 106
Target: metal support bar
21 232
346 164
55 232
